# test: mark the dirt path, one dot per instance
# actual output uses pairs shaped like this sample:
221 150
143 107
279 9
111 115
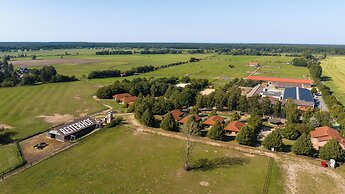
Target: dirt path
291 165
256 70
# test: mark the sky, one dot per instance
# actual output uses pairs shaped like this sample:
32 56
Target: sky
210 21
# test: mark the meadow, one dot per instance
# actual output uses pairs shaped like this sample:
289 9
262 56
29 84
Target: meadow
9 157
334 71
120 160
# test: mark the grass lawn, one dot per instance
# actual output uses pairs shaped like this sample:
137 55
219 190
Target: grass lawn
120 160
20 106
308 183
334 69
9 157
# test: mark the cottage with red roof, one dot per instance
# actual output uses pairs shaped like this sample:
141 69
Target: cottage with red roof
234 127
187 118
213 119
118 97
321 135
177 114
128 100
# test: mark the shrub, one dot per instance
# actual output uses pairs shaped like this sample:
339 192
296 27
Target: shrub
290 132
115 122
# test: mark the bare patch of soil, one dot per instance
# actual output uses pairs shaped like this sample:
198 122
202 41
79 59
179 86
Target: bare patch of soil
44 62
32 154
5 126
57 118
204 184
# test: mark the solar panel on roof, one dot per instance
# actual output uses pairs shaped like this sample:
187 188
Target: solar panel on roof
305 95
289 93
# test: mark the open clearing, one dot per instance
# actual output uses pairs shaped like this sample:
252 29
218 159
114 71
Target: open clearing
118 160
9 157
334 70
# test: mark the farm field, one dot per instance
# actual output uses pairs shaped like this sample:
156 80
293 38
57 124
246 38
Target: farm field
120 160
334 68
9 157
217 69
69 65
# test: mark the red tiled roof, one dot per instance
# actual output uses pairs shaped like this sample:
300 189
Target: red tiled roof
176 114
234 126
277 79
120 96
212 120
128 100
187 118
325 133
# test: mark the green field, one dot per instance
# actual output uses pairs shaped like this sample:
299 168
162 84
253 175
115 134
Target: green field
9 157
334 69
120 160
20 106
217 69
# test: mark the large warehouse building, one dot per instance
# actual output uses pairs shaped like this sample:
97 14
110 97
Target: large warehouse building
73 130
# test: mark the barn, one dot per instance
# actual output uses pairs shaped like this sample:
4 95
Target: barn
73 130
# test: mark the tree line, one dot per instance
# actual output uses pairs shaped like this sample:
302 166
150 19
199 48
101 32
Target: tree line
135 70
10 77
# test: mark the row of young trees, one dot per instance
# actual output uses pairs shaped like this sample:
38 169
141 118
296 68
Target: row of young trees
10 77
115 52
135 70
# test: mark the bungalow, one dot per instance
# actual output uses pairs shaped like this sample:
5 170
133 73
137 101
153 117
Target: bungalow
321 135
177 114
234 127
253 64
128 100
118 97
187 118
213 119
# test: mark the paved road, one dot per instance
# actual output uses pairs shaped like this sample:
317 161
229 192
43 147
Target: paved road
321 103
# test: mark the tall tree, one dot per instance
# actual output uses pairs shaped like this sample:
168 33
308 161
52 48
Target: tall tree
291 111
273 140
169 123
303 145
216 132
332 150
246 136
189 129
147 118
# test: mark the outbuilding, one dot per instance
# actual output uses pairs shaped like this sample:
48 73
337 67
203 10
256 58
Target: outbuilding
73 130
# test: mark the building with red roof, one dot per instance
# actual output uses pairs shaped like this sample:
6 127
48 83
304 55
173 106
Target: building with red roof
213 119
177 114
321 135
187 118
234 127
118 97
129 100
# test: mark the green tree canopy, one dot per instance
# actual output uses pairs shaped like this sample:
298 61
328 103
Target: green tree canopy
303 145
291 112
246 136
273 140
169 123
332 150
216 132
147 118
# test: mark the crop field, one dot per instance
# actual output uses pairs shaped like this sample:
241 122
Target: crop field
334 70
9 157
120 160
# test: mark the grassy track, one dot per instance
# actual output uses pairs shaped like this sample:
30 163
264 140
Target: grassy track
334 68
20 106
122 161
9 157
